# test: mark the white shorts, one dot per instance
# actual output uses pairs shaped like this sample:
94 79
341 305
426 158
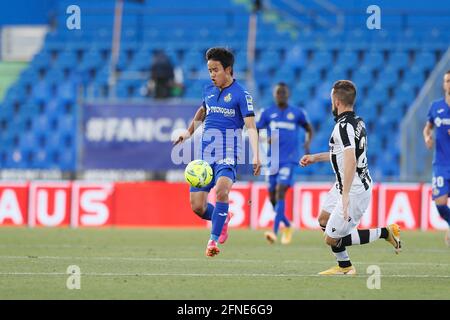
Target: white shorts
337 227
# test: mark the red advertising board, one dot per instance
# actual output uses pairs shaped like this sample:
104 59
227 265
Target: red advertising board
156 204
401 204
91 204
49 204
163 204
13 203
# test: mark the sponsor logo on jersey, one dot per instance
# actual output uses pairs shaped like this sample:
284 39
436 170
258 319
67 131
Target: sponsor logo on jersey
282 125
225 111
290 116
228 161
438 121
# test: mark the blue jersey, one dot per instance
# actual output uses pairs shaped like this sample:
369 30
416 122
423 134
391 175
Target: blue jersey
222 128
288 122
439 116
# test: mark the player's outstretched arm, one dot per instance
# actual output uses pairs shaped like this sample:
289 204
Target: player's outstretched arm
428 135
308 159
196 122
253 137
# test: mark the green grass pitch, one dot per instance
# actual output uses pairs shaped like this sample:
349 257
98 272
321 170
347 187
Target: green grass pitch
171 264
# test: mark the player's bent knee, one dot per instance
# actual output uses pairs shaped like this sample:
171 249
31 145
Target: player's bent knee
198 207
222 194
322 222
323 218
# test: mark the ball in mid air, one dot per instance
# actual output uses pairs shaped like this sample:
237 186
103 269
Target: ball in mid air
198 173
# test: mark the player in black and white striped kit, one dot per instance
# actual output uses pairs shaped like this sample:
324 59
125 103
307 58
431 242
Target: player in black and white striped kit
349 198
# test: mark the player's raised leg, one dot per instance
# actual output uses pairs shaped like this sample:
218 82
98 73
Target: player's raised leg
341 233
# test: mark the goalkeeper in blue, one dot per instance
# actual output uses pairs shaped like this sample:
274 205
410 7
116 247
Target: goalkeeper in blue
439 122
284 122
226 108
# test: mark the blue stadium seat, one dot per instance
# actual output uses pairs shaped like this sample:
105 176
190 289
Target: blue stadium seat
322 59
378 94
414 76
398 60
67 92
41 92
42 60
348 60
66 59
373 60
425 60
405 94
389 76
362 77
295 57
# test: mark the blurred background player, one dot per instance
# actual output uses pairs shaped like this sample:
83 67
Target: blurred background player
349 198
284 121
226 105
439 118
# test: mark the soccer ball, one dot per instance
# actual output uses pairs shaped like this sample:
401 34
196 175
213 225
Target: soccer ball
198 173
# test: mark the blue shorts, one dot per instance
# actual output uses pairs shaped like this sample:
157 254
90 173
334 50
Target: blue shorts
284 176
441 181
219 170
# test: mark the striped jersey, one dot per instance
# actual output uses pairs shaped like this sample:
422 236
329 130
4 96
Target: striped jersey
350 132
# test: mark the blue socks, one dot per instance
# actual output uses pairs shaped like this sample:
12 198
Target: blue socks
444 212
209 212
280 217
218 219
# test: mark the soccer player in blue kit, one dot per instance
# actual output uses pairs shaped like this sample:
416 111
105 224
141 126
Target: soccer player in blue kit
226 108
284 122
439 121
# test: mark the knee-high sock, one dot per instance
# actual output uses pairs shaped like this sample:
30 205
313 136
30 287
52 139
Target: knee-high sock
363 236
444 212
209 212
342 257
218 219
280 216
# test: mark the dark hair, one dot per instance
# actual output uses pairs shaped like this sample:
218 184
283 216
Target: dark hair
223 55
448 72
345 91
282 84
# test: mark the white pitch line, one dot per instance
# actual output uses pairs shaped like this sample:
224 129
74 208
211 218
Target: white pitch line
200 275
308 248
108 258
